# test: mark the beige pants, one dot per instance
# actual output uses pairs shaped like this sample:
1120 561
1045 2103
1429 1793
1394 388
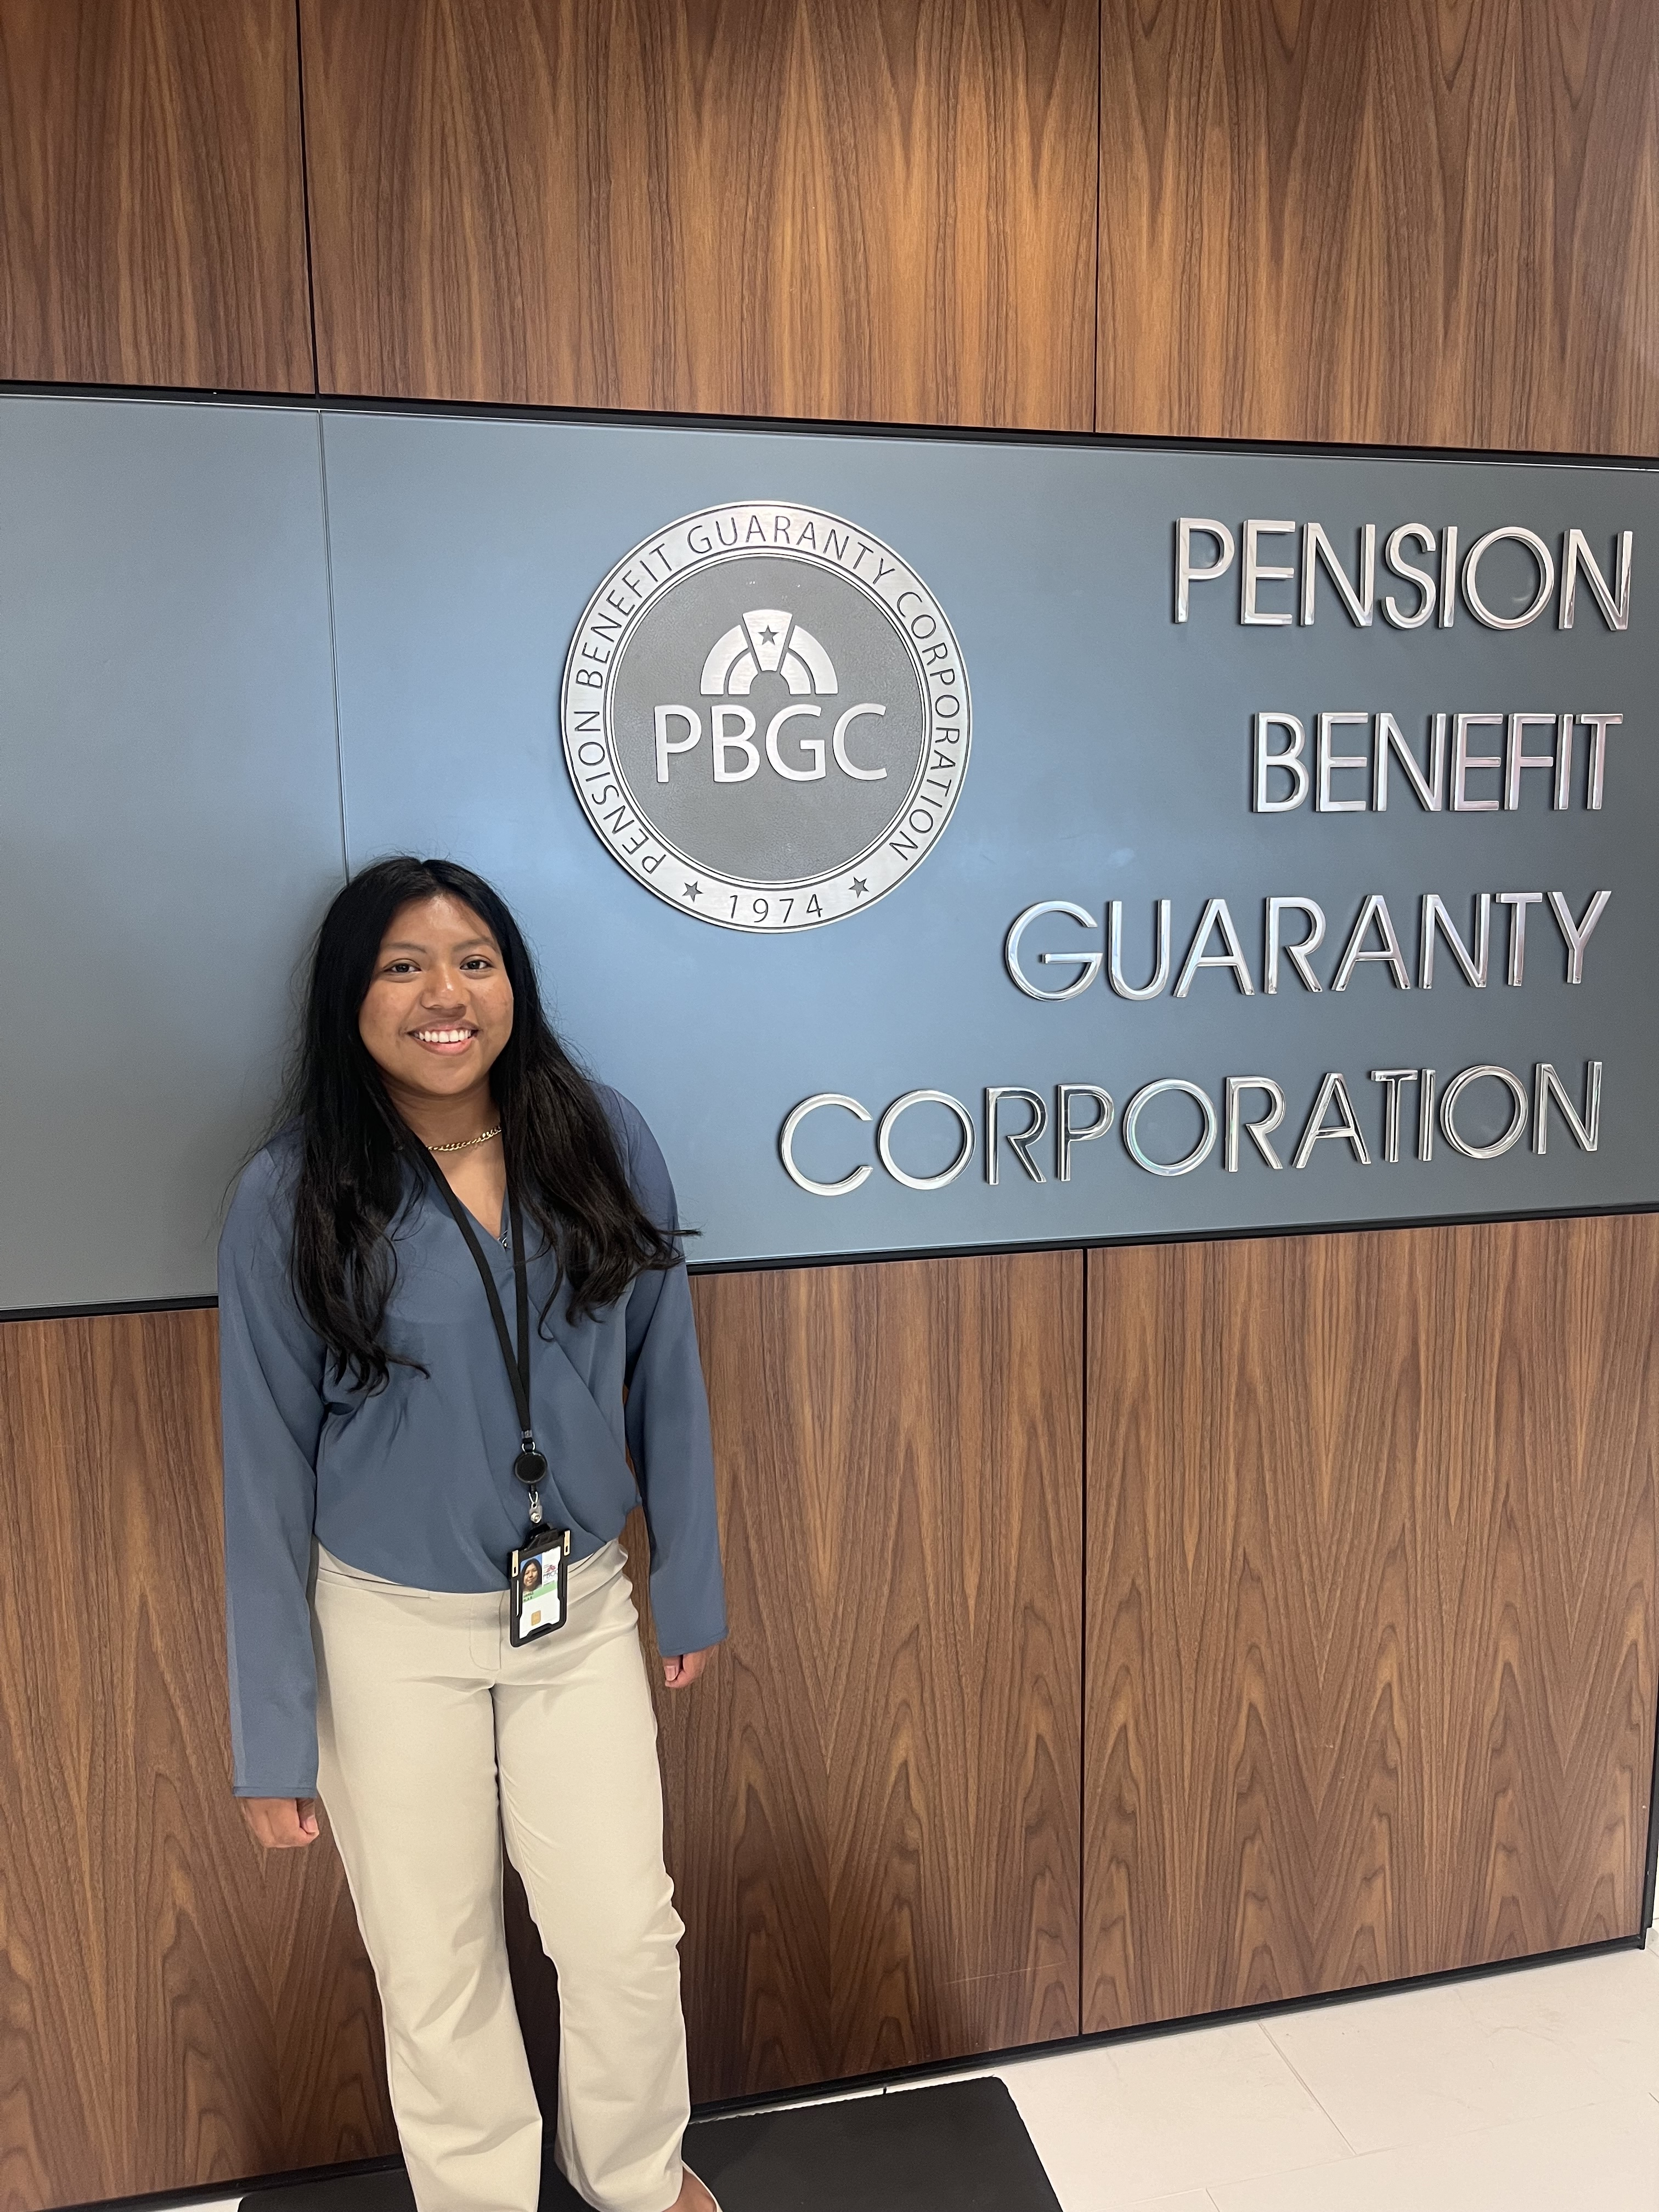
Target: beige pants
434 1735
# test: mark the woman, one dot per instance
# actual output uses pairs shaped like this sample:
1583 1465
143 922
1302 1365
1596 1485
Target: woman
450 1204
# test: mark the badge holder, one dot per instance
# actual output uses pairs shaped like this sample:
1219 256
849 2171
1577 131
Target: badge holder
538 1595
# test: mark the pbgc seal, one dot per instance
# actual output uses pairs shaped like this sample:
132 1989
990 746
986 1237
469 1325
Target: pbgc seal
766 716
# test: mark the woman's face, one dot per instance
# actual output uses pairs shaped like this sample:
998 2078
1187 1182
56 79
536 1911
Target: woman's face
439 1008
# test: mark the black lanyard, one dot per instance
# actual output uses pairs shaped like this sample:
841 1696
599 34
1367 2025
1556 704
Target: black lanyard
531 1465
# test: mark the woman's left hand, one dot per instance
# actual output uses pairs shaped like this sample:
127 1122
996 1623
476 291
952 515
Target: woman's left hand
680 1674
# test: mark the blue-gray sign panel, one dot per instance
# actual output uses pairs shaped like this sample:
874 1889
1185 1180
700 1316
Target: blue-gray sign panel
170 807
169 823
1112 760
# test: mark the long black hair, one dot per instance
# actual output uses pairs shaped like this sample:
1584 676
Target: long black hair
561 1152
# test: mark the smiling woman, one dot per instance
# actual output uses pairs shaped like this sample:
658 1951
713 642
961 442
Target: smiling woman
433 1020
429 1622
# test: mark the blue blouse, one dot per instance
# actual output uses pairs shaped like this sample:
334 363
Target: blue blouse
414 1482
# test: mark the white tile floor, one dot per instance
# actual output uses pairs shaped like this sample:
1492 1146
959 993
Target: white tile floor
1534 2091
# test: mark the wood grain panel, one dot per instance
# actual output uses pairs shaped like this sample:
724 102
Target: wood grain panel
152 218
832 210
873 1797
1420 221
175 2009
1373 1567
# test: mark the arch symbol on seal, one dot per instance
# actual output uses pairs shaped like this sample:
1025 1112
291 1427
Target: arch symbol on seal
767 638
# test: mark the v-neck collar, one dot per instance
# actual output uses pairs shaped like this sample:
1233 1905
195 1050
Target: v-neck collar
497 1236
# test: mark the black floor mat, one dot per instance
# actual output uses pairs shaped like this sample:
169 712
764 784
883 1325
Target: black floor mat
958 2147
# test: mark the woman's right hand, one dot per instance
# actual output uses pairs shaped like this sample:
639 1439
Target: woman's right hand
281 1824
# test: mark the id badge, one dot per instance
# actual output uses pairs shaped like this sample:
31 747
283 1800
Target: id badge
539 1585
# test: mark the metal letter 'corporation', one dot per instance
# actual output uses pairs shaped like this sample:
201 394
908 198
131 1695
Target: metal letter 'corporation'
766 716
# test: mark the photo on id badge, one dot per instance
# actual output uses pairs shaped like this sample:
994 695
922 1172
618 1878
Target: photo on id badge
536 1595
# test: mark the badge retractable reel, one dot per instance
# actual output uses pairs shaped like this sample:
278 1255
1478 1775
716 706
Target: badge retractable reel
538 1583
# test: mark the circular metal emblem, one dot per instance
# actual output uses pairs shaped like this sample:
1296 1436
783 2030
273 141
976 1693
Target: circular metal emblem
766 716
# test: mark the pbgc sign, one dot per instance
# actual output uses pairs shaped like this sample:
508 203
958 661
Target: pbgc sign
1301 872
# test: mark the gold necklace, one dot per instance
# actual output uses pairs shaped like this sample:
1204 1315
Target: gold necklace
465 1144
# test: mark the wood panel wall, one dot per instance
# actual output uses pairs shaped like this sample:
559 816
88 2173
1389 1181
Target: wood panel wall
1431 223
1393 1613
874 1810
175 2007
1373 1598
885 214
1419 221
152 207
